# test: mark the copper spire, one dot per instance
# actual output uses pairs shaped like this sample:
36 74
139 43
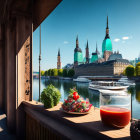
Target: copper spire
77 43
59 52
107 23
107 30
87 44
97 49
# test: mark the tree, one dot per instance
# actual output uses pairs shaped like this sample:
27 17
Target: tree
65 73
71 73
60 72
55 72
137 88
137 69
46 73
42 73
130 71
49 72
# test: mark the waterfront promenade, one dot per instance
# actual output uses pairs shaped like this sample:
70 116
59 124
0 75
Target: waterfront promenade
4 133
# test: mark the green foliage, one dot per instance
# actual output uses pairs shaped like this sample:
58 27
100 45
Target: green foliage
49 72
52 72
47 99
130 71
46 73
42 73
50 96
65 73
55 72
72 90
138 92
60 72
137 69
71 73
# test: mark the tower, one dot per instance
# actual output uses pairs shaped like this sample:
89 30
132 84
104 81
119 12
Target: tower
95 54
58 60
97 49
106 45
78 56
87 53
107 30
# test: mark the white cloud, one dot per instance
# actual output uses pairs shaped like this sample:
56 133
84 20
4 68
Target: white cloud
65 42
125 38
116 40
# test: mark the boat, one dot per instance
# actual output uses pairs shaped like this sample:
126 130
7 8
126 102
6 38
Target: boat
82 79
107 85
114 92
66 78
126 82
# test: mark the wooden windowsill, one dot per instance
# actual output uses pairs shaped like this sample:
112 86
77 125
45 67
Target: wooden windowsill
90 123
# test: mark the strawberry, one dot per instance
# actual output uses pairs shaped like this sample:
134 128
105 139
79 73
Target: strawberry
66 101
87 102
78 97
75 93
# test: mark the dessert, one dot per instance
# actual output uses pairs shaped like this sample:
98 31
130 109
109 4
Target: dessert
75 103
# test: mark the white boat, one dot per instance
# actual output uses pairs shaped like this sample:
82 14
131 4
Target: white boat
66 78
107 85
81 79
126 82
114 92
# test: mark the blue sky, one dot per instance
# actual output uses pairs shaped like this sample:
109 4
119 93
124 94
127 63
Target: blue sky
87 19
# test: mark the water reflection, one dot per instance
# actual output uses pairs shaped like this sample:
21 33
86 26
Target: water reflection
65 85
138 92
135 92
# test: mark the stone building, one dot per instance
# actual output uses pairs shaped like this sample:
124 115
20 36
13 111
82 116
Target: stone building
107 68
108 63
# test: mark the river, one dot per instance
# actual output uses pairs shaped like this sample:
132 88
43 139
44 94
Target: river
93 96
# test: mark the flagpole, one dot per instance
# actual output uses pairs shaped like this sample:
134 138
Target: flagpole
39 62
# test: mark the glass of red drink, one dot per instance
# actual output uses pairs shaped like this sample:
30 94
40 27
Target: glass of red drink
115 108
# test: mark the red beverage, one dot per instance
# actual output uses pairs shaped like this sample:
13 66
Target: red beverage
115 116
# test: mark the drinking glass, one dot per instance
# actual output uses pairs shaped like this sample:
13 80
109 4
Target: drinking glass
115 108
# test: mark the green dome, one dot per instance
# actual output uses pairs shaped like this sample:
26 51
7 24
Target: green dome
78 57
106 45
94 57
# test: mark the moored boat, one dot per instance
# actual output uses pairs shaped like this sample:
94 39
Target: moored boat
81 79
107 85
126 82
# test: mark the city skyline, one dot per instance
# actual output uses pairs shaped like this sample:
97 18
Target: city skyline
60 29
